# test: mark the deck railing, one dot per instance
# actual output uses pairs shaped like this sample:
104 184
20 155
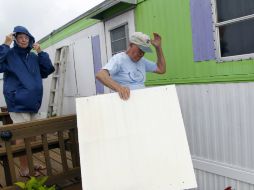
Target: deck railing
57 134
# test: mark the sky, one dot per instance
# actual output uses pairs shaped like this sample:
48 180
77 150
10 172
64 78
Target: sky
40 17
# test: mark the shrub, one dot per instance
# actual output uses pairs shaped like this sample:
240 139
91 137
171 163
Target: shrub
35 184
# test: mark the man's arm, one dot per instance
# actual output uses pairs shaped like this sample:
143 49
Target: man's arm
104 77
161 62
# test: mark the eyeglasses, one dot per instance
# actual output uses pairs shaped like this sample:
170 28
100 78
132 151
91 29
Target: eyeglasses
136 50
140 53
22 37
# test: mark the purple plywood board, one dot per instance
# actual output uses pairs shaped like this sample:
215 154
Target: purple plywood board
202 30
97 62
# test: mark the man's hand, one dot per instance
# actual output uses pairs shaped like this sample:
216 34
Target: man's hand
8 39
37 47
156 41
123 92
161 62
104 77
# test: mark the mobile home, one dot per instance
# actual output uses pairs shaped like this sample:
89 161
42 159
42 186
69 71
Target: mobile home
209 49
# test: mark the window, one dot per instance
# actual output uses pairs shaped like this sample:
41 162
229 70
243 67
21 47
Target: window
234 29
119 39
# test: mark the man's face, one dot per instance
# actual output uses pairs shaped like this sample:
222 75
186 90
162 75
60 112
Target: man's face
135 53
22 40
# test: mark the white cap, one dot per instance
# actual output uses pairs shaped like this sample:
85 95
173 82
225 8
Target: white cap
142 40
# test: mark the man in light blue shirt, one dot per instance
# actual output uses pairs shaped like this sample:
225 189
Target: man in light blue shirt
126 71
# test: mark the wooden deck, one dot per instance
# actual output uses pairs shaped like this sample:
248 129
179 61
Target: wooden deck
39 158
56 148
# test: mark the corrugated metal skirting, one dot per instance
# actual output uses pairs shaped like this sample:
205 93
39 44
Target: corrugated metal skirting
219 121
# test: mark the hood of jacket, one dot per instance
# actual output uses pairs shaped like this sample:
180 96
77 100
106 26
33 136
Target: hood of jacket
22 29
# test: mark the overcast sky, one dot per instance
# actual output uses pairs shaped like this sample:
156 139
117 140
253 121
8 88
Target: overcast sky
40 17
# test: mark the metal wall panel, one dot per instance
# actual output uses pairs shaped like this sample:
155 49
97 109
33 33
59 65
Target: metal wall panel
219 125
80 79
209 181
172 19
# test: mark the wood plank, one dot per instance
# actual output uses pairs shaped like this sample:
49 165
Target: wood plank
17 168
23 130
77 186
72 173
55 153
68 153
4 113
46 154
74 149
36 147
7 173
46 121
62 151
26 132
75 130
54 159
2 178
10 163
10 188
29 156
39 158
5 118
48 149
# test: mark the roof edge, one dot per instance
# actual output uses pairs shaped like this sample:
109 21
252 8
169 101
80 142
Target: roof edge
103 6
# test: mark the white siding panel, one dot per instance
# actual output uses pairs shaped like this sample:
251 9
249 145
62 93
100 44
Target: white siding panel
79 79
84 67
219 125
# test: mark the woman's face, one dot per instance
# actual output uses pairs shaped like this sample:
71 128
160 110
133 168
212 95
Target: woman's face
22 40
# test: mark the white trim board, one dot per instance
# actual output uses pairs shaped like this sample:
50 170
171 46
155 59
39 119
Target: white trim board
223 170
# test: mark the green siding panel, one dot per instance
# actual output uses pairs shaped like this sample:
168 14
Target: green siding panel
172 20
115 10
66 32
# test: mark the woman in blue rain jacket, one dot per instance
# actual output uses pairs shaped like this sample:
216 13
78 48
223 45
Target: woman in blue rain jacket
23 71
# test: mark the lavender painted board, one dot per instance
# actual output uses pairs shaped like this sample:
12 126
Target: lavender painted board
97 62
202 30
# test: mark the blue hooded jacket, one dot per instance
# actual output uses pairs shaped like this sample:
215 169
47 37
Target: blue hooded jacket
23 72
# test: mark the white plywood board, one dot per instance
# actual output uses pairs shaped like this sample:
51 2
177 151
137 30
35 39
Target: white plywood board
139 144
84 67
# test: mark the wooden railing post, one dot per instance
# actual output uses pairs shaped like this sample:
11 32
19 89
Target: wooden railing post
46 154
29 156
62 151
7 172
74 147
10 162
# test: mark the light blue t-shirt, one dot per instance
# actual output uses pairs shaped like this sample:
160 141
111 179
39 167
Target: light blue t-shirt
128 73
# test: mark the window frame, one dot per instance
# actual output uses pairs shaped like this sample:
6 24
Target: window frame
216 35
126 27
